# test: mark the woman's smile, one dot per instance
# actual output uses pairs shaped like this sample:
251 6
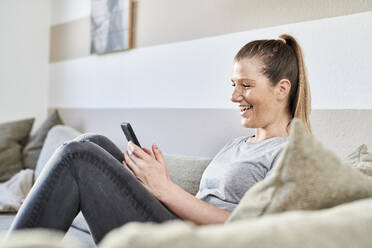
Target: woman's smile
246 111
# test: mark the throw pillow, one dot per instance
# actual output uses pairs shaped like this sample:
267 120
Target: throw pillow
33 147
361 159
13 137
306 176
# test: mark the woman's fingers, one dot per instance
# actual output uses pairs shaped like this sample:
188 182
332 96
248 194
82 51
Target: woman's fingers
136 150
148 152
131 163
125 165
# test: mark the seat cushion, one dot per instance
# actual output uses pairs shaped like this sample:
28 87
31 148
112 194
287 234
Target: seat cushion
85 238
6 220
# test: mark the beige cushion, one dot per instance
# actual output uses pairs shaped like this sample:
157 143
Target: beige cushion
186 171
13 137
33 147
344 226
361 159
306 176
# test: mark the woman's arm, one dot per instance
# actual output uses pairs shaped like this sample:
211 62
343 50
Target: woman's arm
188 207
152 172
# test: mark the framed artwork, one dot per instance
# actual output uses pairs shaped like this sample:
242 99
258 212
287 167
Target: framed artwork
111 25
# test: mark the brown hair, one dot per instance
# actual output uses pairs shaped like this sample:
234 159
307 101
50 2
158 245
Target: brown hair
282 58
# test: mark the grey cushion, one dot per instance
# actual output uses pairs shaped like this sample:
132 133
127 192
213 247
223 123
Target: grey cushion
306 176
186 171
33 147
13 137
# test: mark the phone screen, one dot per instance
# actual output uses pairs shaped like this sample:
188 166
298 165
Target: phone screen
129 133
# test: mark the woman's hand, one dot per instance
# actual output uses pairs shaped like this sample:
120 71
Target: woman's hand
149 168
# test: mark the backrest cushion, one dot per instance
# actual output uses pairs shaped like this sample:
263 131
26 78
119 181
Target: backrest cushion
13 137
33 147
186 171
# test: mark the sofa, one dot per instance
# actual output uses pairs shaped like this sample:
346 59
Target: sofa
312 198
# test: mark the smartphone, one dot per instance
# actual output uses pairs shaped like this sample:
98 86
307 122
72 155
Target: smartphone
129 133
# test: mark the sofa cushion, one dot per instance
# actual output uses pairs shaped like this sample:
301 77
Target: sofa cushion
186 171
344 226
55 137
84 238
361 159
39 237
33 147
306 176
13 137
6 220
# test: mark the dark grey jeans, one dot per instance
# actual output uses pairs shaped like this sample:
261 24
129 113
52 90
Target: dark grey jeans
86 174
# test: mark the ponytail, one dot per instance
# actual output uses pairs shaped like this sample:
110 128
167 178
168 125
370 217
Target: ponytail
300 106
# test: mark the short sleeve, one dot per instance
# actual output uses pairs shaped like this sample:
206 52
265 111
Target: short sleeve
268 174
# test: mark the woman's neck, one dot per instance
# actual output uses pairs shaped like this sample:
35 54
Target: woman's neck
279 129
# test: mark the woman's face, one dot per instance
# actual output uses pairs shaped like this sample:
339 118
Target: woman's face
253 88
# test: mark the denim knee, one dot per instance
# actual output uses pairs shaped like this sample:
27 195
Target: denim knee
89 137
62 156
73 146
103 142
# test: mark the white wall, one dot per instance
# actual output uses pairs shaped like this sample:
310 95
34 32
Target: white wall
68 10
196 73
24 66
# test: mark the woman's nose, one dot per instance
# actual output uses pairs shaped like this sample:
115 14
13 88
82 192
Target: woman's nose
236 96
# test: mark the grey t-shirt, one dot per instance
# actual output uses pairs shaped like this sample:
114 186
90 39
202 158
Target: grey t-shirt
236 168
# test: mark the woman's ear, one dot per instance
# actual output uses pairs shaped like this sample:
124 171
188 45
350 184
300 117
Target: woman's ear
282 89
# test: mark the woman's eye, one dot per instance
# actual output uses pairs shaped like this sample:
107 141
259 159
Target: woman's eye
244 85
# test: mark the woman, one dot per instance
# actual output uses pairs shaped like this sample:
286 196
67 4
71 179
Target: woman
111 188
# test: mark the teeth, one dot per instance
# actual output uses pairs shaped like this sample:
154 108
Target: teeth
246 108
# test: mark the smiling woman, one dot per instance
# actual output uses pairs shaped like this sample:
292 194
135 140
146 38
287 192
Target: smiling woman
270 86
111 188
